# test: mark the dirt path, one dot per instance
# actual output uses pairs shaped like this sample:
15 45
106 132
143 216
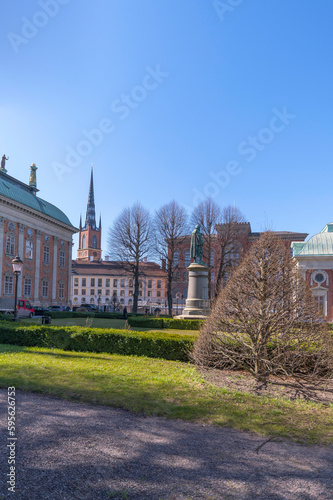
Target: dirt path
69 450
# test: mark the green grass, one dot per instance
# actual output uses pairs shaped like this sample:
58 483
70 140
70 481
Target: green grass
158 387
104 323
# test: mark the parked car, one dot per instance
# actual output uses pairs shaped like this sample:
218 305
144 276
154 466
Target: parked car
40 311
86 307
56 308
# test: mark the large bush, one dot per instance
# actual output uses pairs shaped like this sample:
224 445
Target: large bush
265 320
151 344
174 324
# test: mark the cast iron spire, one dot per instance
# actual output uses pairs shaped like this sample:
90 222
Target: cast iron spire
90 216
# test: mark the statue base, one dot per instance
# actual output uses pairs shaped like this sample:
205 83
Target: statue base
197 303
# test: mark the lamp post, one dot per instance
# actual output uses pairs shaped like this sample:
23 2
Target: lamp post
17 268
99 301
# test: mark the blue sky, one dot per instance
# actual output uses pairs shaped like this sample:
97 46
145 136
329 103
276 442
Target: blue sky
172 100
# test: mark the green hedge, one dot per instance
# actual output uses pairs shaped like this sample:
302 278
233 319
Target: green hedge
151 344
75 314
175 324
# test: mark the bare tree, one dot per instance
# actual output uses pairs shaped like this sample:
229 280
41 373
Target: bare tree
229 232
170 229
207 214
129 242
266 321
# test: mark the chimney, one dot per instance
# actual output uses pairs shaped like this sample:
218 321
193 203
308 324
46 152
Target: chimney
107 258
163 265
145 260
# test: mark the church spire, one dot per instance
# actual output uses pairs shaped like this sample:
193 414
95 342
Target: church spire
90 215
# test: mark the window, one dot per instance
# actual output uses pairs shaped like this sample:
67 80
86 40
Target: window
9 284
94 242
61 290
122 293
107 300
46 254
100 282
150 283
45 288
130 292
140 293
92 291
177 276
187 258
176 258
76 300
83 291
130 283
158 294
130 302
159 283
122 283
29 249
114 293
212 277
149 293
122 301
62 258
84 282
84 241
27 287
76 291
107 282
83 300
10 244
140 283
115 282
76 281
92 301
212 258
92 282
107 292
99 291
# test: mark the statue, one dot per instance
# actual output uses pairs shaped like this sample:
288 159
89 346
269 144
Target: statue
32 179
197 245
3 162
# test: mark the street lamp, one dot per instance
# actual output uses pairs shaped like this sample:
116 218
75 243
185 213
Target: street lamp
99 301
17 268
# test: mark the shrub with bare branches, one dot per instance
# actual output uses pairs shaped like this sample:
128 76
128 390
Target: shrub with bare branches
265 320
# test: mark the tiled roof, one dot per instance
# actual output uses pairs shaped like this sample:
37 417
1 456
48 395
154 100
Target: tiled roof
114 268
18 191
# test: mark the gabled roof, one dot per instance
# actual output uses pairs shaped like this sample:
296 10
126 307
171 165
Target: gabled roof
320 244
22 193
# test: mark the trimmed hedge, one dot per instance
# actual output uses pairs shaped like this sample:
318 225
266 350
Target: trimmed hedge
152 344
174 324
75 314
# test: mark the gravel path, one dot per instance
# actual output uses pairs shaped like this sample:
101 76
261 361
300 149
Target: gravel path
69 450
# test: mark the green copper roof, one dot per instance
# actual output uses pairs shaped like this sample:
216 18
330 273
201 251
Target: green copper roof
22 193
320 244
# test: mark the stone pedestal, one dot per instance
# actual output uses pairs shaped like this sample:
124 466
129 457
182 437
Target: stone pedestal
197 303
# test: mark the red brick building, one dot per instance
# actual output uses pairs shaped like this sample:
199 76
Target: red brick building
244 238
41 235
315 261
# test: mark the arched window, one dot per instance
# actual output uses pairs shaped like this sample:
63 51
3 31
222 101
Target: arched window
94 242
29 247
187 258
10 244
9 280
45 288
61 290
92 301
177 276
130 302
83 300
75 300
122 301
27 287
84 241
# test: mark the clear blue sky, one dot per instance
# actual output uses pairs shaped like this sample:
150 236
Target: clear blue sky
183 94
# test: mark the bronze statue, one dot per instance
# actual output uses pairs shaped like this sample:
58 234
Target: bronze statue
32 179
197 245
3 162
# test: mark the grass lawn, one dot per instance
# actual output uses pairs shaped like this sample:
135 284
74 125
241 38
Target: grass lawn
104 323
158 387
